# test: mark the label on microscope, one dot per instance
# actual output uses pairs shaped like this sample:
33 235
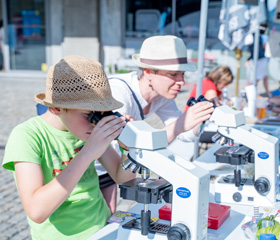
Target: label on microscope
183 192
263 155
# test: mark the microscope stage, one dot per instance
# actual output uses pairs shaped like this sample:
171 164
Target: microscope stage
145 191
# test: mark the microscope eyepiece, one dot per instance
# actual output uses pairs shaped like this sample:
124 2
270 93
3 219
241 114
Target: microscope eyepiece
201 98
191 101
95 117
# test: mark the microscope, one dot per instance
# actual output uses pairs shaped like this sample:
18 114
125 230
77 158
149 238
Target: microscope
253 147
182 183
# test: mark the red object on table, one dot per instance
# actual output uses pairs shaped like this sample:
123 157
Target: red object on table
217 214
165 212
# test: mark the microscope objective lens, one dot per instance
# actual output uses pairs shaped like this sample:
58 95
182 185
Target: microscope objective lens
216 137
145 173
136 169
133 167
230 142
126 164
223 141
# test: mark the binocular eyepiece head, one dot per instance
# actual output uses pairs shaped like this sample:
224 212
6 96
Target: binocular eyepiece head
95 117
201 98
193 101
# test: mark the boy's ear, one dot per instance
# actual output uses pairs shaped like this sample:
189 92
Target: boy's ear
56 110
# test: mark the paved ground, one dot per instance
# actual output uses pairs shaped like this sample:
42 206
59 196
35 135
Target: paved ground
17 105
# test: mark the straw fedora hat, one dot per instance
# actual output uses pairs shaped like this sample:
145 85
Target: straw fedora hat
77 82
164 53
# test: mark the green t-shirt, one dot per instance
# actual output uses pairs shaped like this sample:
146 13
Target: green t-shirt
85 211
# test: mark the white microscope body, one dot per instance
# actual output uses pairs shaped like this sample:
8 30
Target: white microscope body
190 194
264 187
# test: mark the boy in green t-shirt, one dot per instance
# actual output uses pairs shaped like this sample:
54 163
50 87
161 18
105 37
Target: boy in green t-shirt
53 155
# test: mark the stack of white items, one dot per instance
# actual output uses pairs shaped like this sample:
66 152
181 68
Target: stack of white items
251 93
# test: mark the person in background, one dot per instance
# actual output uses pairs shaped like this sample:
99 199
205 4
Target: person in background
152 89
52 155
213 84
262 62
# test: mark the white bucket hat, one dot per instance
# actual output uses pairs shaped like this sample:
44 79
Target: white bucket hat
164 53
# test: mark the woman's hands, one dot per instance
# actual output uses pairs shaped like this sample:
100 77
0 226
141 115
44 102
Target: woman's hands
200 113
196 114
216 101
191 119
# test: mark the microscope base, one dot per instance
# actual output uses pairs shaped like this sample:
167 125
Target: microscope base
132 234
245 194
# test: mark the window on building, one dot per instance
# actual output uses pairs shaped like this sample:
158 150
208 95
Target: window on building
147 18
26 34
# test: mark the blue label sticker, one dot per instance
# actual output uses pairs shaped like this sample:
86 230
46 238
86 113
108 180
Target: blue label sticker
183 192
263 155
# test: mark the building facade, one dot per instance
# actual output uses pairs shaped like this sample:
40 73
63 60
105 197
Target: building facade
40 32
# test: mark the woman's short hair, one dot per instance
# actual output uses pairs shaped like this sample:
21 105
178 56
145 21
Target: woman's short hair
140 72
221 74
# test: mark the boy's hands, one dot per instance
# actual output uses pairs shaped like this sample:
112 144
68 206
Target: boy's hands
129 118
106 130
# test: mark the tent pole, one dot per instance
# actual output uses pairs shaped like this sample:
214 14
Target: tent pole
173 26
238 55
200 65
256 46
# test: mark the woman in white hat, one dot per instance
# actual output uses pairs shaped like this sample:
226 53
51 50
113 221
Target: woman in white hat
162 62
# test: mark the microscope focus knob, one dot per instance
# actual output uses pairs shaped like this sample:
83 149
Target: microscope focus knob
262 185
237 197
179 231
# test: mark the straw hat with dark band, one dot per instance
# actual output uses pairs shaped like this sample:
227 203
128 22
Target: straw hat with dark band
78 83
163 53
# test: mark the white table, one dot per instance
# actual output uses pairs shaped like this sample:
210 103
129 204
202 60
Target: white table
229 230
